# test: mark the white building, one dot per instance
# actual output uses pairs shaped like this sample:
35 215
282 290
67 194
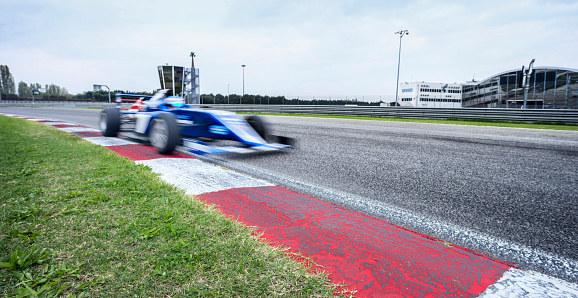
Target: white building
430 95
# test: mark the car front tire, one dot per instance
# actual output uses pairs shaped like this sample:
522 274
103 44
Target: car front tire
109 122
164 133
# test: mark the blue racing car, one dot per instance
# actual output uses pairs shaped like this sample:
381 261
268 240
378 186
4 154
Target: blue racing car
166 121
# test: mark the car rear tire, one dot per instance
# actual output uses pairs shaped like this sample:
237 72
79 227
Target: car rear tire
109 122
165 133
258 125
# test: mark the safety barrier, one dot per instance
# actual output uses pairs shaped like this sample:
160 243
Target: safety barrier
529 115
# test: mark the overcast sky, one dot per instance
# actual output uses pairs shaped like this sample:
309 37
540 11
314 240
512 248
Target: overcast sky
292 48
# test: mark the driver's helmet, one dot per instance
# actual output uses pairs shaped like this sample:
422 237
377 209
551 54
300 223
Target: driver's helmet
175 101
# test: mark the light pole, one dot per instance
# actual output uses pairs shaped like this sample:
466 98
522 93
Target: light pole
228 102
401 34
526 80
99 87
243 79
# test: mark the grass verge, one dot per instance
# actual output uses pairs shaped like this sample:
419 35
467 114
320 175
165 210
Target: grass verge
536 125
78 220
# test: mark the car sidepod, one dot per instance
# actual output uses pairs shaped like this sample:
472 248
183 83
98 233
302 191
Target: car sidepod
217 125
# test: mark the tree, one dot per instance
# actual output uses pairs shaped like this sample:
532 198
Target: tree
53 89
24 90
6 80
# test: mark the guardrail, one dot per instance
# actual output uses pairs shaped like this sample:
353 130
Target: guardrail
529 115
565 116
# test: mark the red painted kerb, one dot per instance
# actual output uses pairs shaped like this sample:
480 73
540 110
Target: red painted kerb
377 258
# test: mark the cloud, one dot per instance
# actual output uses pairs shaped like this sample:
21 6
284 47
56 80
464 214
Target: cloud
289 47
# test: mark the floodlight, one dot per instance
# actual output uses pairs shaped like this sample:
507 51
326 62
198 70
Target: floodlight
401 34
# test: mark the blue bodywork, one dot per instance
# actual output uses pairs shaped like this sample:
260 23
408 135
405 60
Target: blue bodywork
198 125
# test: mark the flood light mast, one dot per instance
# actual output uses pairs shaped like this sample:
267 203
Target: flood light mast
401 34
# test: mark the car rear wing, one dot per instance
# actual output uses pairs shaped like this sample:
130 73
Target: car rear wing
120 98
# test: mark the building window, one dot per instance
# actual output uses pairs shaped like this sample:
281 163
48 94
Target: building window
407 90
430 90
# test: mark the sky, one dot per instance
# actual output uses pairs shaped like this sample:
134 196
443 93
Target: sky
292 48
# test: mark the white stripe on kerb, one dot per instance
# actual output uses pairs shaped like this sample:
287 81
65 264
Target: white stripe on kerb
518 283
59 123
197 177
77 129
106 141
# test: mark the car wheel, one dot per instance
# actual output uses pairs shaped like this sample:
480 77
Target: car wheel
164 133
109 122
258 125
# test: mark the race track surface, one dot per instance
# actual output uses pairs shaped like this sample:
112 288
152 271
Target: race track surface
514 184
367 256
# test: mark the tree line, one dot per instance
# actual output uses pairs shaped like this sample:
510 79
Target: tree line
276 100
55 92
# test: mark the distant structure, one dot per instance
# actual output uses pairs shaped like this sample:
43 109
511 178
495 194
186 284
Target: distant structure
549 88
431 95
181 81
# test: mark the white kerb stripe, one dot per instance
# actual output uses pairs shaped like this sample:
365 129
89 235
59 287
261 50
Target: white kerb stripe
77 129
106 141
197 177
518 283
59 123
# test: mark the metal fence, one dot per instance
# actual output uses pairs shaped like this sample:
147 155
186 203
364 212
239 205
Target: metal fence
565 116
529 115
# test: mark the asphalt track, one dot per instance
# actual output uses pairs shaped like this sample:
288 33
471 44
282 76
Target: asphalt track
515 184
373 255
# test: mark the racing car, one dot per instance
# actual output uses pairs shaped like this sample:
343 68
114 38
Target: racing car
166 121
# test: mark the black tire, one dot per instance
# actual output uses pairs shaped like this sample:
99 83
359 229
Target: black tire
258 125
109 122
165 133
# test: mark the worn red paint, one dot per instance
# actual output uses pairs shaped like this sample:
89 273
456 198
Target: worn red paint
377 258
143 152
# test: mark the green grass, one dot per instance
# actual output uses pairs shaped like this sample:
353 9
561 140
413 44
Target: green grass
78 220
536 125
